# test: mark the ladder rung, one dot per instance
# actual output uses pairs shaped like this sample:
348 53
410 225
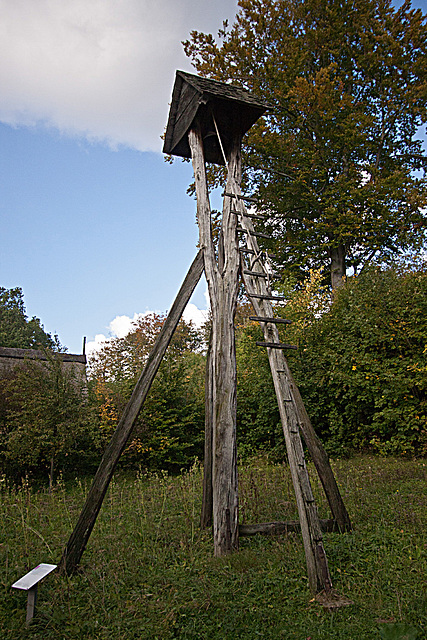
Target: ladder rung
276 345
266 296
255 233
252 252
239 197
261 235
258 274
274 320
254 216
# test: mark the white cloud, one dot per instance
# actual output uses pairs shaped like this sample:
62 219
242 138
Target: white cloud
196 315
120 326
96 343
102 69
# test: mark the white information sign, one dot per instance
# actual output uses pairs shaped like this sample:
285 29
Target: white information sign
34 576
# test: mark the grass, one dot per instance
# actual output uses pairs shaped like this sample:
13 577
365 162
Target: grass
149 573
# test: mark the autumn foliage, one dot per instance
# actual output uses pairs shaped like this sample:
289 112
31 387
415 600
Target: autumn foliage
338 161
361 367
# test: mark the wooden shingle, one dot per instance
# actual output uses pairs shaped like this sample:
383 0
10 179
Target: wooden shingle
235 110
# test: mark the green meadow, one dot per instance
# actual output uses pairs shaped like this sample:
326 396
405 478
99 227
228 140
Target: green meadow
149 571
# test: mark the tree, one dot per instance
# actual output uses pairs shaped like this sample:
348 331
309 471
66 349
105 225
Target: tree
337 162
169 431
16 330
362 364
45 420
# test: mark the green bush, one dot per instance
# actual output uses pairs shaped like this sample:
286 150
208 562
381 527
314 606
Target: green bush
45 421
362 366
258 420
169 432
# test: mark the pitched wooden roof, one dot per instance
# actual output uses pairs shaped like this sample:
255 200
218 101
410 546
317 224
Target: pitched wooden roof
235 110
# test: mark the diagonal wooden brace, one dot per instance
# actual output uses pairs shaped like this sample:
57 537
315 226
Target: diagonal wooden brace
80 536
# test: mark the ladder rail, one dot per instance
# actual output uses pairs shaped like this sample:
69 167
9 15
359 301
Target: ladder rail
317 451
317 566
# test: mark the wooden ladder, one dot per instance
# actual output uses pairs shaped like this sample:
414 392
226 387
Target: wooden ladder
256 274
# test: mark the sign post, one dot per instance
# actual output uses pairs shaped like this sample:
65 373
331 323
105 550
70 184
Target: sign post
29 583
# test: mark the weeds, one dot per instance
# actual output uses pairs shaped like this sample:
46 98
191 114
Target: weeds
149 572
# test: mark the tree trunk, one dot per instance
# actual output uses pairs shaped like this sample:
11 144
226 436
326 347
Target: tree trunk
337 266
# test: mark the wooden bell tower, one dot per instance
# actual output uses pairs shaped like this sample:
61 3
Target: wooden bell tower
207 122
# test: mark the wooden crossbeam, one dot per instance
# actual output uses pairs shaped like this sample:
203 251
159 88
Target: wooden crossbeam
274 320
276 528
256 234
276 345
240 197
252 216
267 296
256 274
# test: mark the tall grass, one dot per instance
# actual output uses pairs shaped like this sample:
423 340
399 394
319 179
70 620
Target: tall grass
149 573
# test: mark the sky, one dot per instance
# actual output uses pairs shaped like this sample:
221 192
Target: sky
96 227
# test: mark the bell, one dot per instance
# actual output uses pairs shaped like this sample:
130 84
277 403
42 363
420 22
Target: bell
209 134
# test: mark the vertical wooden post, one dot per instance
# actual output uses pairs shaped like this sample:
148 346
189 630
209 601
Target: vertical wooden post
207 501
222 276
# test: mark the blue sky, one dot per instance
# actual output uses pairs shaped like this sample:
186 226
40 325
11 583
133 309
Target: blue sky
90 233
96 227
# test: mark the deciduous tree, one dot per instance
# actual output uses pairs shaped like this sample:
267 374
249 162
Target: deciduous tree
15 328
337 162
169 431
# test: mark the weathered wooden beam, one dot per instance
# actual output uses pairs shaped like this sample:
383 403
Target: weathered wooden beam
256 274
266 296
206 516
317 567
276 528
276 345
77 543
320 459
240 197
255 234
222 276
252 216
274 320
